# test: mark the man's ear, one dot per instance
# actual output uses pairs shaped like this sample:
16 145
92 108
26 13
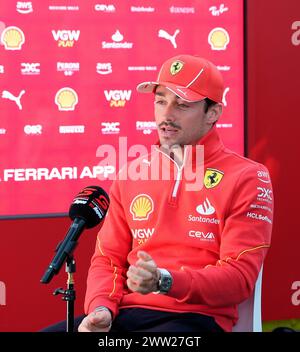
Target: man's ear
214 112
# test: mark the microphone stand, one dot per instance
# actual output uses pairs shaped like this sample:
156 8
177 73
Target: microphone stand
69 295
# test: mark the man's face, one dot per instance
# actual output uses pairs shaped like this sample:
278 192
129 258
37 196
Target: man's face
178 121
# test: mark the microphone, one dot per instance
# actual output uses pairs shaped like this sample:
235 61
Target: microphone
87 210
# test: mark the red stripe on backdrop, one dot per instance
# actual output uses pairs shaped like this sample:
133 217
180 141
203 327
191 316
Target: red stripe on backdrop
273 134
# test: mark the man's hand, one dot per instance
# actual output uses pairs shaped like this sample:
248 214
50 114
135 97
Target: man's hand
144 275
96 322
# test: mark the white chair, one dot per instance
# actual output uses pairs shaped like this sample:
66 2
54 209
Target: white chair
250 310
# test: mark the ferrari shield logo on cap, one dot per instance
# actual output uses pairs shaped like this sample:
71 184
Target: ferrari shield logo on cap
212 178
176 66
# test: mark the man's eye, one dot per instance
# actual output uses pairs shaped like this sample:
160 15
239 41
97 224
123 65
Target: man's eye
159 101
183 106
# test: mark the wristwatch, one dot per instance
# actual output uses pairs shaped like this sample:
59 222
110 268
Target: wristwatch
165 281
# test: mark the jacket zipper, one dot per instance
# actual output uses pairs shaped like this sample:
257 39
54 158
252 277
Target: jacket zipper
178 176
177 182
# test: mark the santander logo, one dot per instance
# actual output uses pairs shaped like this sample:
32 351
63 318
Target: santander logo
205 208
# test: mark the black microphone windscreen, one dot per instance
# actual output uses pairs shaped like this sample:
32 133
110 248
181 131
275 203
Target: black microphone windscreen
91 205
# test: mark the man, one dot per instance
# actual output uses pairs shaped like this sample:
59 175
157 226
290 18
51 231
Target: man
174 258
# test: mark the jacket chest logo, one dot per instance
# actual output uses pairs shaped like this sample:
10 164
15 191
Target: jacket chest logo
205 208
212 178
141 207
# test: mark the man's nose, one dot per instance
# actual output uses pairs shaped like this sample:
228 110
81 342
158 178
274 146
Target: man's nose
169 113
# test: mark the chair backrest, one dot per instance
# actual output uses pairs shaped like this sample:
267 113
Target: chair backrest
250 310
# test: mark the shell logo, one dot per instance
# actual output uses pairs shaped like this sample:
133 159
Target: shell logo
12 38
218 38
141 207
66 99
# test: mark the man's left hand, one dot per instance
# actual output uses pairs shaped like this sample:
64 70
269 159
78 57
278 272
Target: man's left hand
144 275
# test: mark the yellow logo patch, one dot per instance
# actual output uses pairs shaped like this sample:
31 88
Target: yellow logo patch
176 67
141 207
212 178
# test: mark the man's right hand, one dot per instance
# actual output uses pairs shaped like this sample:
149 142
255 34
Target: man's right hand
96 322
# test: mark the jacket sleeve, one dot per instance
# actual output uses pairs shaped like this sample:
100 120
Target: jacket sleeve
245 240
107 273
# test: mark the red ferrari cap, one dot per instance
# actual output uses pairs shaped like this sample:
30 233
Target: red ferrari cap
190 77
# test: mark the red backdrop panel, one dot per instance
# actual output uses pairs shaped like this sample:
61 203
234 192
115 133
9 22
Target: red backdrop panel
273 133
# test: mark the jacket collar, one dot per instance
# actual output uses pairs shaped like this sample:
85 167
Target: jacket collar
212 143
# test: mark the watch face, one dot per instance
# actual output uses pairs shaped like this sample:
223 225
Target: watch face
165 281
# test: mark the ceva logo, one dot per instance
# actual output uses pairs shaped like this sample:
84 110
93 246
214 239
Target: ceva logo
2 294
209 236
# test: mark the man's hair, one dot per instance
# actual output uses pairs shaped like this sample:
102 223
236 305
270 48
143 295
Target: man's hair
208 104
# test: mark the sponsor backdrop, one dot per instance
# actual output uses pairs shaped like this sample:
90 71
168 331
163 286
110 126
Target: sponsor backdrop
68 76
273 56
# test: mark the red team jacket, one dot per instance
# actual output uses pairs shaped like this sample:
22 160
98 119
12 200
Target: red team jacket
213 240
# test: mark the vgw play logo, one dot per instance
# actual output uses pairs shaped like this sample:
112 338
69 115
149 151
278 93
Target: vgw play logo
66 38
117 98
